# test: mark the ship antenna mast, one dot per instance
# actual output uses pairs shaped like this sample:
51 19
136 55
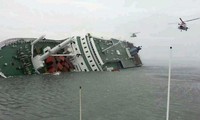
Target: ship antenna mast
80 103
168 90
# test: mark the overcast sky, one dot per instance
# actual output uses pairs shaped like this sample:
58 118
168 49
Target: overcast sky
59 19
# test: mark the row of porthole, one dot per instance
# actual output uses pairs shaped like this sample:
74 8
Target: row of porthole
81 62
88 56
95 54
90 61
86 52
86 70
92 65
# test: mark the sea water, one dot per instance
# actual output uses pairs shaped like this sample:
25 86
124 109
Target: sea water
130 94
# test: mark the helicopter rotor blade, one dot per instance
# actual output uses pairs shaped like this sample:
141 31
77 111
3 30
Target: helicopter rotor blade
192 19
182 20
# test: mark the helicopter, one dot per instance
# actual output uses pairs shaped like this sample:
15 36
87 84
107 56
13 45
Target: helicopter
183 25
134 34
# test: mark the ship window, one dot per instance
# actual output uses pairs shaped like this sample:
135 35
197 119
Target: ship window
86 51
12 63
95 70
85 47
81 63
83 42
85 70
88 56
90 60
93 65
76 49
82 38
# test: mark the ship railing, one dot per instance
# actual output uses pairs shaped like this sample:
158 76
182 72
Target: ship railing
56 48
7 42
13 40
33 43
38 61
